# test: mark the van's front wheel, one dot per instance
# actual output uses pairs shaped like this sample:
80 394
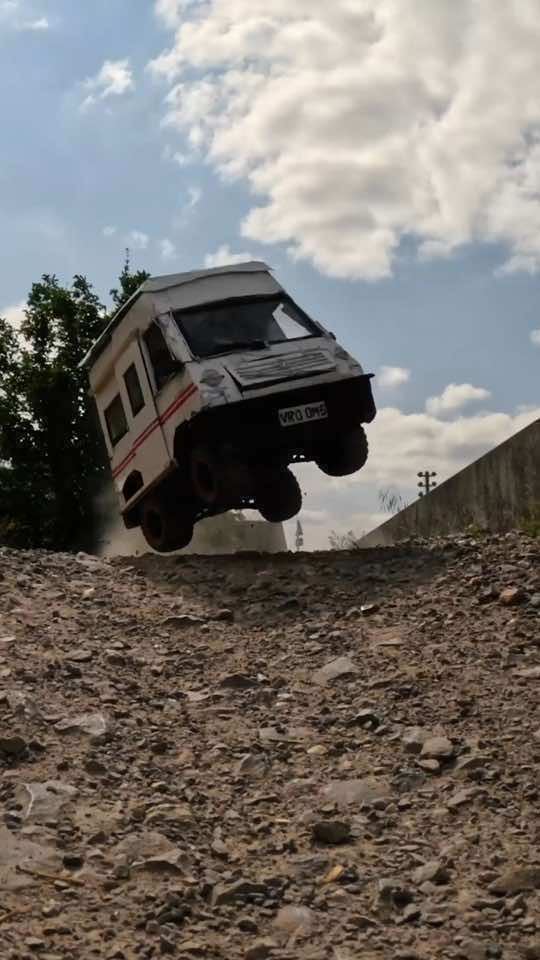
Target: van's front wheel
163 526
277 495
343 454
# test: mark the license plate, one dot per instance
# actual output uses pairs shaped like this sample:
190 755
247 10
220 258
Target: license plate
308 412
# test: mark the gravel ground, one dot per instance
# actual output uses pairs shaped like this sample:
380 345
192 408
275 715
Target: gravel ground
308 756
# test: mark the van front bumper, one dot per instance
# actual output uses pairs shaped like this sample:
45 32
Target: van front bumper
253 426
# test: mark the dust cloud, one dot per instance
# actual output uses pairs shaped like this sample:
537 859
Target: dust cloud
228 533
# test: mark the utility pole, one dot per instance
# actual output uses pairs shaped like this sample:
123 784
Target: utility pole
426 482
299 535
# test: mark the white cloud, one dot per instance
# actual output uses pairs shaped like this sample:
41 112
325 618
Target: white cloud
137 240
389 377
41 23
175 156
109 231
535 338
170 11
12 15
454 397
223 257
114 79
168 249
359 125
14 314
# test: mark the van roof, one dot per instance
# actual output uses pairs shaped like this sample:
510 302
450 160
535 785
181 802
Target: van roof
166 282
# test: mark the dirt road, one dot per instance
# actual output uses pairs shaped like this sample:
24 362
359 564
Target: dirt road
305 756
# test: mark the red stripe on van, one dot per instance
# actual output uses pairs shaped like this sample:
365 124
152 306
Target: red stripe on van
159 421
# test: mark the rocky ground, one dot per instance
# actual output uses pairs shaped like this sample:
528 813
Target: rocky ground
327 756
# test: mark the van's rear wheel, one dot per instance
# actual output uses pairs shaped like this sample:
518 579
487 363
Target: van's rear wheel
344 454
163 526
277 495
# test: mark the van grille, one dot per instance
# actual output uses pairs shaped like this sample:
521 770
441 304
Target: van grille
283 367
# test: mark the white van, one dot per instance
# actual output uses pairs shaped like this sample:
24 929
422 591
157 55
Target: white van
208 385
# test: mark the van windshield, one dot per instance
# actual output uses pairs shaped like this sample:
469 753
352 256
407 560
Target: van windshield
243 325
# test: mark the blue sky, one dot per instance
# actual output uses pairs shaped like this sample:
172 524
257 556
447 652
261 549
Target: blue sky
400 206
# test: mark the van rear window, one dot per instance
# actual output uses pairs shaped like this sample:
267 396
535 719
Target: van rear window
115 417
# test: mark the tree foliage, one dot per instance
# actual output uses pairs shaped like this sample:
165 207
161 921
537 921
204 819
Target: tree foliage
52 456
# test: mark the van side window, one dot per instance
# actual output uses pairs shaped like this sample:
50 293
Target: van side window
115 418
134 391
164 365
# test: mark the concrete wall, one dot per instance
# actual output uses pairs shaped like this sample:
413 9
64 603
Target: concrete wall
498 492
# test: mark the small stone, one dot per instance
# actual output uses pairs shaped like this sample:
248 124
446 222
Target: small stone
82 655
367 609
433 871
529 673
241 891
516 880
512 596
319 750
437 748
413 739
294 920
42 802
335 670
183 620
466 766
487 594
473 950
260 950
331 831
391 894
13 746
432 766
34 943
178 813
238 681
248 764
225 616
531 951
366 717
411 912
92 724
460 798
367 791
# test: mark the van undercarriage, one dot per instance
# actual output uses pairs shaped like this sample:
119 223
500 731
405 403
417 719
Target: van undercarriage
237 456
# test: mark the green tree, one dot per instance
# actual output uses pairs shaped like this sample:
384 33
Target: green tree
129 283
52 456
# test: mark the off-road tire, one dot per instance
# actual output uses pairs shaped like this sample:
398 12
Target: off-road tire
277 495
345 454
164 527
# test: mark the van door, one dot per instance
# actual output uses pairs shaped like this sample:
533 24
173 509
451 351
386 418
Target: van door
148 453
